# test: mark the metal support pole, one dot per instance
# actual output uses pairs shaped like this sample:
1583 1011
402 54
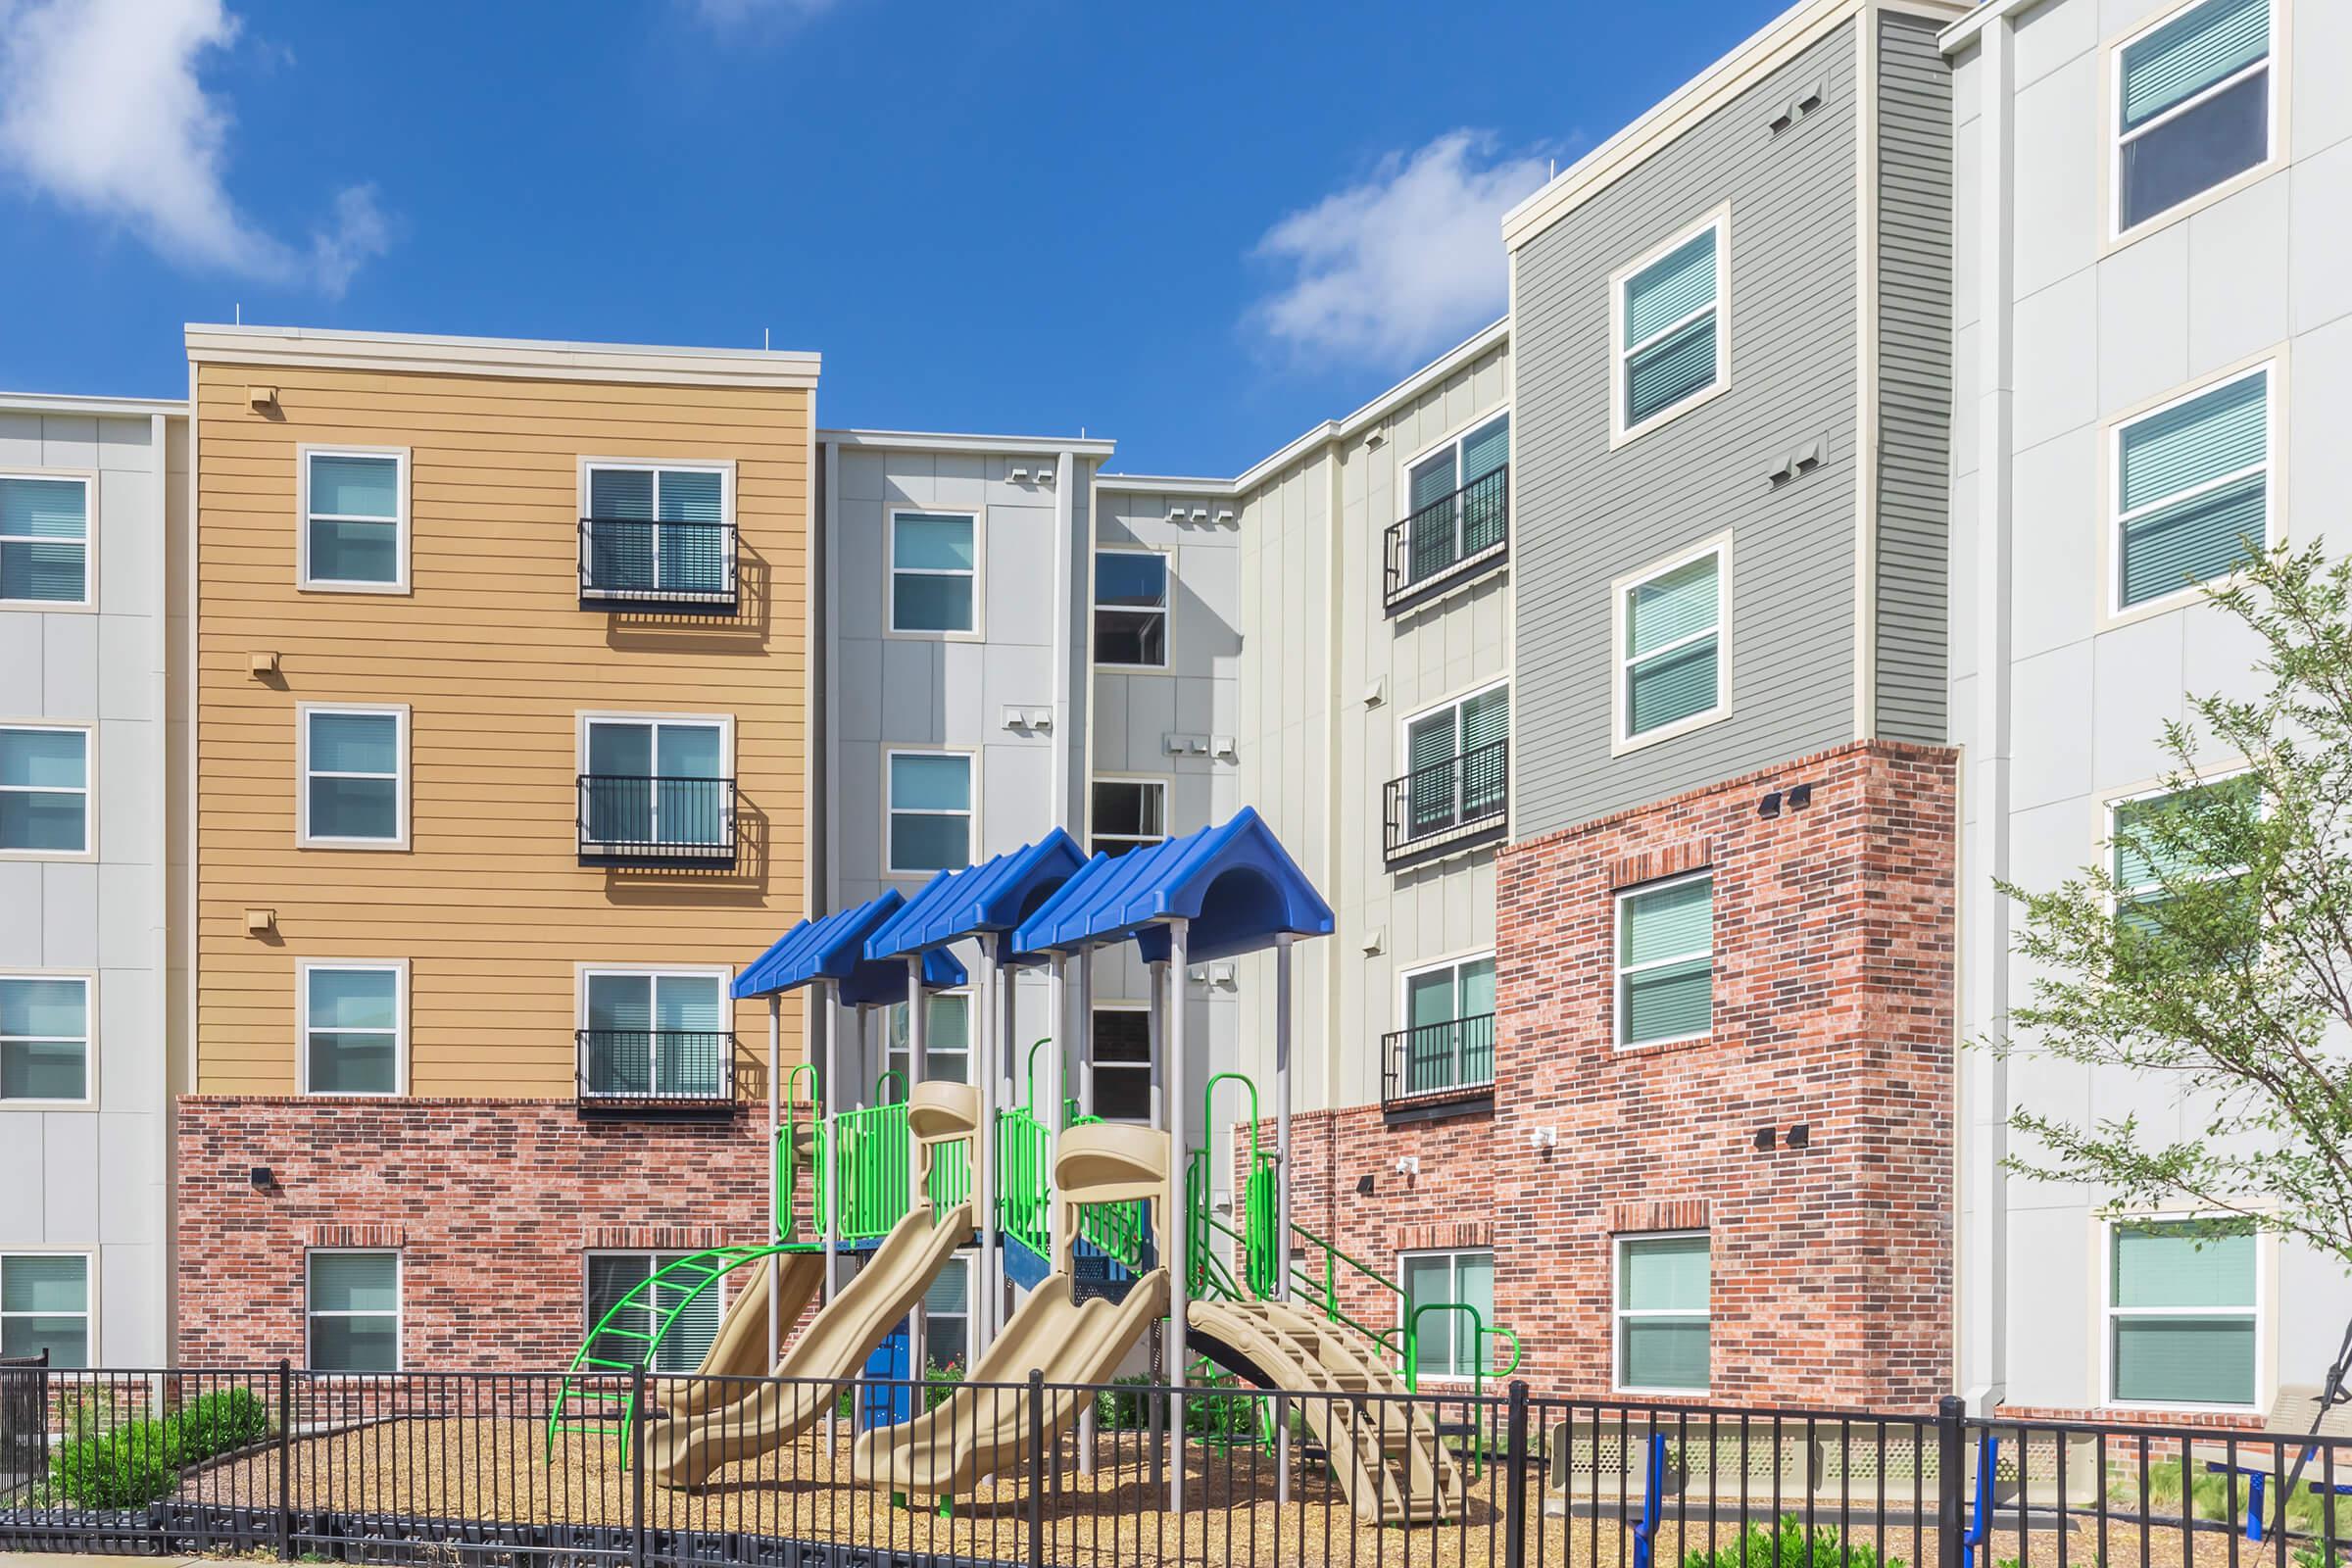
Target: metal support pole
776 1157
285 1455
637 1425
1179 1222
918 1068
987 1045
1009 1061
1951 1448
1514 1481
828 1143
1083 1027
1057 1098
1282 1191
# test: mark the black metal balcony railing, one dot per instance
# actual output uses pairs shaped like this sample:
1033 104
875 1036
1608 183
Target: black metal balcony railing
632 820
1434 1059
635 562
1446 538
1454 802
655 1070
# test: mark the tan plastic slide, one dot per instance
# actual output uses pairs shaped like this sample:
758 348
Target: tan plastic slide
739 1350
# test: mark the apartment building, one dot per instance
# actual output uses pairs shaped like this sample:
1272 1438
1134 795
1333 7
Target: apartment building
92 492
2154 350
500 765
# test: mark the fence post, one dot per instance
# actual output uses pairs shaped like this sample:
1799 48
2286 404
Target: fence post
1036 1469
1514 1483
285 1459
1951 1461
634 1426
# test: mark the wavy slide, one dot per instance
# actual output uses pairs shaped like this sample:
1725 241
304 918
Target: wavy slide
739 1349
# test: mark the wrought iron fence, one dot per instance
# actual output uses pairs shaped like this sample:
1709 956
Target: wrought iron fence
640 1469
1433 1060
633 819
1459 799
640 564
655 1070
1470 528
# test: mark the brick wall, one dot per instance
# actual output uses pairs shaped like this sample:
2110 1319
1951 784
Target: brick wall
490 1203
1833 1007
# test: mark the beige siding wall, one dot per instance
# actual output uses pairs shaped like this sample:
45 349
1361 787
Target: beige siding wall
497 661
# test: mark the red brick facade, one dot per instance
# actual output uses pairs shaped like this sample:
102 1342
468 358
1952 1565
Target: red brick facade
491 1203
1834 1010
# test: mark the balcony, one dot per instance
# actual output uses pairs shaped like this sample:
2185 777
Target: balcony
654 1072
1448 540
1451 804
630 820
638 565
1438 1064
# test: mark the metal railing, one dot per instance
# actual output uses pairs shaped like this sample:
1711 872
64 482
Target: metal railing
655 1069
457 1467
1434 1059
1468 529
639 564
633 819
1462 799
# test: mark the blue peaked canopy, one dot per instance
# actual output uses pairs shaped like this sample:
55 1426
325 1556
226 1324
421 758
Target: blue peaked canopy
1233 883
996 895
833 947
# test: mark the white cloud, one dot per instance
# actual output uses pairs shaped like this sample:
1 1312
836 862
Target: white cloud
1407 262
102 110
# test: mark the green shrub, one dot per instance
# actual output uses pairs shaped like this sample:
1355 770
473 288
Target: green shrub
1789 1546
139 1460
940 1383
218 1422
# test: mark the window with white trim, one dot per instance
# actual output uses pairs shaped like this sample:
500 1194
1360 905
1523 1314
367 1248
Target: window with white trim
656 529
929 810
654 1034
946 1039
2193 490
2184 1316
1671 343
657 783
2195 106
44 539
1456 500
354 1027
354 776
1122 1064
1128 813
45 1306
1666 962
933 572
1457 764
1670 647
45 1037
1131 607
46 789
693 1316
1448 1339
352 1310
1662 1313
2158 848
1447 1041
355 520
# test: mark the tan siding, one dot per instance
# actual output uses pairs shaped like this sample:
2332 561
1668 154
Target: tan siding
495 659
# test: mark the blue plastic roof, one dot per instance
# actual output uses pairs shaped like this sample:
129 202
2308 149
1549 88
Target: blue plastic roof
1233 882
833 947
996 895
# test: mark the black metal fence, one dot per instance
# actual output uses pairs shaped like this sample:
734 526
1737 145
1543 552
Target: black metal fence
633 819
1437 1061
625 1070
641 564
1445 538
1447 804
638 1469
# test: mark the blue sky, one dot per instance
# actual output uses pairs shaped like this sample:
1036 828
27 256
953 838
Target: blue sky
1196 227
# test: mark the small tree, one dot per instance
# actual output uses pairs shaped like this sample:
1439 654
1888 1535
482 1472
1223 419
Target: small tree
2213 949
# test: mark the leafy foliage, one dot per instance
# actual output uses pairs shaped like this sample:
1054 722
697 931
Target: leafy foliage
1791 1546
139 1460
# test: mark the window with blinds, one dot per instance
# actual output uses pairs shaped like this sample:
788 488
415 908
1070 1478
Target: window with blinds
2194 106
44 539
613 1276
947 1040
355 521
1670 653
352 1303
1456 762
2183 1318
1672 341
45 1306
2193 490
933 572
1450 1343
1457 500
656 529
1666 962
1662 1313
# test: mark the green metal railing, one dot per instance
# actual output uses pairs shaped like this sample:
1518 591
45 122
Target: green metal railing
796 1122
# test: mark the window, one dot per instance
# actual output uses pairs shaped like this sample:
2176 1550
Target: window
1448 1034
930 812
353 1306
2193 107
657 784
355 520
1449 1342
1457 763
946 1039
44 539
1662 1313
45 790
1122 1066
656 532
933 572
1456 505
1131 607
1672 345
45 1037
1129 812
45 1306
947 1316
2145 854
354 1024
655 1035
1671 672
2182 1323
611 1276
2193 487
355 776
1665 961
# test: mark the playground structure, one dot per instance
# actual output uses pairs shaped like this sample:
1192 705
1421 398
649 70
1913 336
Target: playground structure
1109 1228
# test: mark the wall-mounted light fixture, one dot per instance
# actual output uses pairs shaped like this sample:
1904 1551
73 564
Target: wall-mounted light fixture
1408 1166
1543 1138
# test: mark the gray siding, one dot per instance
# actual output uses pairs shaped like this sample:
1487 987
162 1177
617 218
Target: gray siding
1587 515
1915 380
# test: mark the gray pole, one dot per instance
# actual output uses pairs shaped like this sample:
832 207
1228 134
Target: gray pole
1083 1030
1179 1304
1057 1097
986 1046
917 1068
1282 1192
828 1099
775 1161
